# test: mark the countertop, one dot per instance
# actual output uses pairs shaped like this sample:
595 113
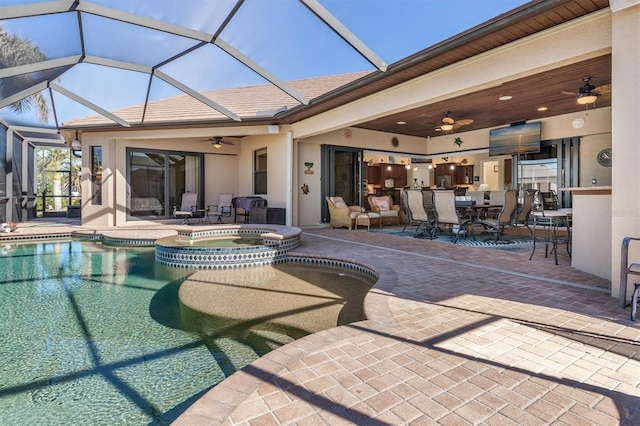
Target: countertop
589 189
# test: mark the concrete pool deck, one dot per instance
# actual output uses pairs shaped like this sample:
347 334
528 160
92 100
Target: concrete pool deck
454 335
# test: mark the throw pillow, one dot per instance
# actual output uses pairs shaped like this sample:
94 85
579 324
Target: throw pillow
338 202
382 204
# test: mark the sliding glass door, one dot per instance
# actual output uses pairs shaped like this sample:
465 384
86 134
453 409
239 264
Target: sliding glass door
157 180
341 175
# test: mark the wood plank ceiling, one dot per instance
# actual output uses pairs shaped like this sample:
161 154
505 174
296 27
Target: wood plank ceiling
482 107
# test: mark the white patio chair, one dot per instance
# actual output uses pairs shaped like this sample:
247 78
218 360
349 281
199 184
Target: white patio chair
188 207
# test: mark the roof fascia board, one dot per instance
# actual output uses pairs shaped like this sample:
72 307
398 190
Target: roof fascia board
97 60
45 142
40 66
175 83
325 16
118 15
261 71
88 104
35 9
23 94
35 129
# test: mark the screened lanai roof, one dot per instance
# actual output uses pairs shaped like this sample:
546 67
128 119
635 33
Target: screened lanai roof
131 62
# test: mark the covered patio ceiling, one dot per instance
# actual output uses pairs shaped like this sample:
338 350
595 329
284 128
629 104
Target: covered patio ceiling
113 63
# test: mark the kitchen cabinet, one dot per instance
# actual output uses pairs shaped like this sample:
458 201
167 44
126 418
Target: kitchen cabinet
458 175
464 175
377 174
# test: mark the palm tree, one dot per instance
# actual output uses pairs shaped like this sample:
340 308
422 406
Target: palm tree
16 51
54 160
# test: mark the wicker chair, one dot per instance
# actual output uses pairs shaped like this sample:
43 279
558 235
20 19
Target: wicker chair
340 214
383 205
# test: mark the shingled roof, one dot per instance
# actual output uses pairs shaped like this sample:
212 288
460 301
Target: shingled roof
257 102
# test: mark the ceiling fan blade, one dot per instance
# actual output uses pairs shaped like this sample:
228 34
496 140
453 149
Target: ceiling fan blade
602 90
464 122
570 93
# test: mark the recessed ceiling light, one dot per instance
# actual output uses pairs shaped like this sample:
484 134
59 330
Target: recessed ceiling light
401 122
543 108
505 98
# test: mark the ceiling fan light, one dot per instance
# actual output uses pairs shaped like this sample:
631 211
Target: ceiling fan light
217 145
446 127
587 98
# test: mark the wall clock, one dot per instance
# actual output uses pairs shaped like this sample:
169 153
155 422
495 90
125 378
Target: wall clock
395 141
604 157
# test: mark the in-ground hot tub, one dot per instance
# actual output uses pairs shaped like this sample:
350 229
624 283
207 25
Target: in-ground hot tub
227 246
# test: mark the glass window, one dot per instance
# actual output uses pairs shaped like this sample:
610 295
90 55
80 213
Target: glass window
96 175
260 171
157 180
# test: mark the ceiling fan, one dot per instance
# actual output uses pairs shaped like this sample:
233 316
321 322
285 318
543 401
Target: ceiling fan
588 93
449 124
217 141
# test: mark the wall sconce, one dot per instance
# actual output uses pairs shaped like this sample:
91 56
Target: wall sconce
389 168
453 167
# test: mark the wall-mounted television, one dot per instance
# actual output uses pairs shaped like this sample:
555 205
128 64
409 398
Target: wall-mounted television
515 139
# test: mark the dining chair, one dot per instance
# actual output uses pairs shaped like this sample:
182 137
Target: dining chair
523 215
413 200
504 217
447 215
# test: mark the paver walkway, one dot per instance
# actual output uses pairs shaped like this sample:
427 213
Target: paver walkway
454 335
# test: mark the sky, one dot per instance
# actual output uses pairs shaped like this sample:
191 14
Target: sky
282 36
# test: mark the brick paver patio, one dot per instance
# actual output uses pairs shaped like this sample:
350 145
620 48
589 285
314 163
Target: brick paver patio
454 335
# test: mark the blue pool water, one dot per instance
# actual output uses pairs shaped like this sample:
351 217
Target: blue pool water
94 335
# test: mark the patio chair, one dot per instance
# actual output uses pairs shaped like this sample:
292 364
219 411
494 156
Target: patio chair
523 217
504 217
417 214
223 208
340 214
383 205
188 207
447 215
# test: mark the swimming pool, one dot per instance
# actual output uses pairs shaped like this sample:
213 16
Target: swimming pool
97 335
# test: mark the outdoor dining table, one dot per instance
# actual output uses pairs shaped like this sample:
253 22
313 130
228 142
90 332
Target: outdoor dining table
475 211
246 203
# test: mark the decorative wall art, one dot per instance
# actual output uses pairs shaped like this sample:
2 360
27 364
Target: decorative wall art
308 165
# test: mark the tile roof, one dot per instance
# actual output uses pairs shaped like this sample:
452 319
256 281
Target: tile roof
246 102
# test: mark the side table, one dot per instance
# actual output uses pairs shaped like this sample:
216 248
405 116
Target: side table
365 218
